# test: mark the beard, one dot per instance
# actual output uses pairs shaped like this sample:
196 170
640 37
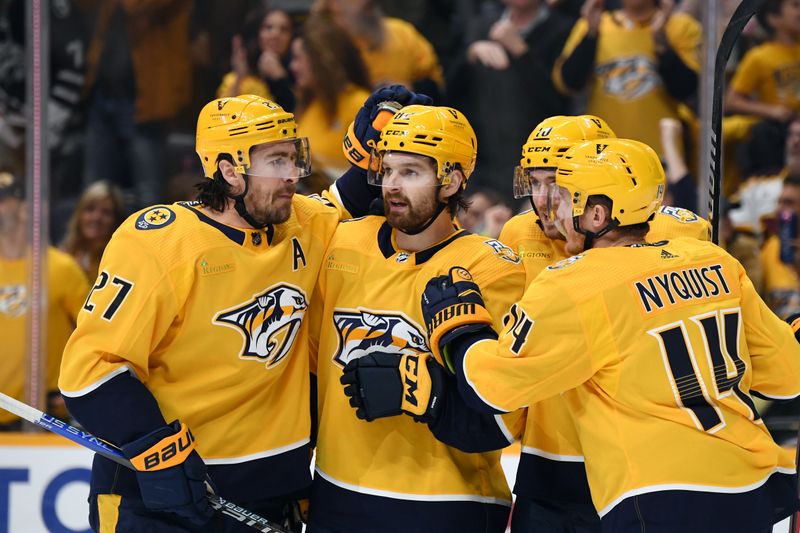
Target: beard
413 216
277 211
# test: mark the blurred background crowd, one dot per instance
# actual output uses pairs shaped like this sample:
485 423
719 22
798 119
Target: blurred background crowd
128 77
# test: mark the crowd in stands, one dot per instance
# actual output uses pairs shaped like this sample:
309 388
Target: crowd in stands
128 76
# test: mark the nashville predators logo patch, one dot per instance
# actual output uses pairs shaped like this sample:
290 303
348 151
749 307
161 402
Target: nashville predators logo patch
628 78
155 218
683 216
364 331
502 251
269 323
13 300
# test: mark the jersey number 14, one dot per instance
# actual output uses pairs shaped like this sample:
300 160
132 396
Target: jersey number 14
721 332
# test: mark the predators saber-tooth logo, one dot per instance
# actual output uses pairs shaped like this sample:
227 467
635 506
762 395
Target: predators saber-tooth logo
364 331
269 322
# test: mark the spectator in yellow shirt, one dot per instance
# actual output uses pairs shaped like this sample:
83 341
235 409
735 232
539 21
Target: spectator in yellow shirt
767 82
332 85
639 63
67 289
393 50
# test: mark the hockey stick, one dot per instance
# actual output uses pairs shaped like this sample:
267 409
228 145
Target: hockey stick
109 451
740 18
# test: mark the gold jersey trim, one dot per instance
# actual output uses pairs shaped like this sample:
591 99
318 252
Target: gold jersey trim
258 455
412 497
108 377
502 425
695 488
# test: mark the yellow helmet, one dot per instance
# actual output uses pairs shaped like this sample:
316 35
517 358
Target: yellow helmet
441 133
236 124
548 142
628 172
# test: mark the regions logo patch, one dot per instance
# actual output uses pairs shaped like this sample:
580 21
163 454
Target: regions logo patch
13 300
155 218
363 331
502 251
268 323
678 213
565 262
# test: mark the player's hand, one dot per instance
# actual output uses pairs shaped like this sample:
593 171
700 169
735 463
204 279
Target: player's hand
170 481
378 108
489 54
386 384
452 306
592 11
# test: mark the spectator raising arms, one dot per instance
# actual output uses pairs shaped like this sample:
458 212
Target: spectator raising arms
639 63
260 59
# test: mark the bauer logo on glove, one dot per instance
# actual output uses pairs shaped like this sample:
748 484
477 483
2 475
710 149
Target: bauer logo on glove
452 304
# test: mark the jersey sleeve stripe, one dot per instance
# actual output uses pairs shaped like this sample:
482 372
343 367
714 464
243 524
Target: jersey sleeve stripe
108 377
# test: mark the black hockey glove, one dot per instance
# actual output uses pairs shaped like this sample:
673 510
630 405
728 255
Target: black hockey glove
452 306
171 475
378 108
385 384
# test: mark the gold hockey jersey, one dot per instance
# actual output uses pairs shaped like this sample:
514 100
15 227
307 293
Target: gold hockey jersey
658 346
368 300
67 288
210 318
549 428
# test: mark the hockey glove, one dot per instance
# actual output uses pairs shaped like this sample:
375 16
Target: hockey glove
365 130
385 384
452 306
171 475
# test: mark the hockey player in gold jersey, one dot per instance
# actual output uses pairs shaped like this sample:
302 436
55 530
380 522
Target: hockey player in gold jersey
656 348
194 331
551 487
393 475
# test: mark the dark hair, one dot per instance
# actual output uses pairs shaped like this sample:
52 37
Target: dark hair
214 193
770 7
458 200
636 231
251 29
335 62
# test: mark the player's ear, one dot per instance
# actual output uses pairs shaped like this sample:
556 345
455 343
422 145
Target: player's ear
229 174
599 216
455 184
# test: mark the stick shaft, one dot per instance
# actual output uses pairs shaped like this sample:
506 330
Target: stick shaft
109 451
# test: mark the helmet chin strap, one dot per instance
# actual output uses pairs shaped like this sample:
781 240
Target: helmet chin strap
241 209
591 236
